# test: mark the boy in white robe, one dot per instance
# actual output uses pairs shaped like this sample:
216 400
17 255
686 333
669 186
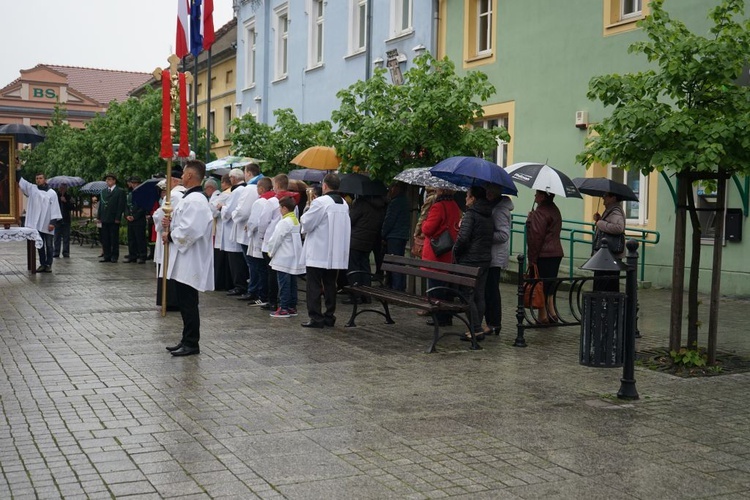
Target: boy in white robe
285 249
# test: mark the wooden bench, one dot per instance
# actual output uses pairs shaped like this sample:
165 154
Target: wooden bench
461 281
85 232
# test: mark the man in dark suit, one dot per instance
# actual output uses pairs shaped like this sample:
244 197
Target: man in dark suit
112 204
136 217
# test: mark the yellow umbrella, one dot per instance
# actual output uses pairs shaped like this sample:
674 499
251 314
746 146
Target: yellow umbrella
318 158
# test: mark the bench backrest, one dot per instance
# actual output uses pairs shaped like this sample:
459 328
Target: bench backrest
450 273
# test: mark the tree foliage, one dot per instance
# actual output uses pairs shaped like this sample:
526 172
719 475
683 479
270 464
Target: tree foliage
687 116
277 145
384 128
125 141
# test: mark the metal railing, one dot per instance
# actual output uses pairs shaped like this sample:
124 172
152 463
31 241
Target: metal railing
576 237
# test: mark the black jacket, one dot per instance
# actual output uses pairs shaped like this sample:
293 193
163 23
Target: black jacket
367 214
474 241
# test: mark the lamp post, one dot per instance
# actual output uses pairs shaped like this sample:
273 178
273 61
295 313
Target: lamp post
603 260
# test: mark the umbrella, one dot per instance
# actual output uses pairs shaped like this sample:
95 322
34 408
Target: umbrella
94 187
24 134
231 162
362 185
318 158
472 171
421 176
219 172
69 180
307 175
543 178
598 186
146 194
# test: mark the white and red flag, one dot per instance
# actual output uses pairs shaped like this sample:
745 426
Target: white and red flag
208 24
181 46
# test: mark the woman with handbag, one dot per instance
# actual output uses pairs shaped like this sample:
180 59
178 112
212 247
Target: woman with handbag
443 217
544 248
474 248
609 225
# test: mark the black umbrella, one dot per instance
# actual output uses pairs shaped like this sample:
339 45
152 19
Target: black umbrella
598 186
146 194
362 185
24 134
307 175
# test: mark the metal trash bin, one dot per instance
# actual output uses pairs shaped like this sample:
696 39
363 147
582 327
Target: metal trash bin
603 329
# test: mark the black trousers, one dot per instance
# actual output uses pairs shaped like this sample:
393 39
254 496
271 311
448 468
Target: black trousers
137 239
222 276
238 270
321 281
111 240
493 313
273 281
187 300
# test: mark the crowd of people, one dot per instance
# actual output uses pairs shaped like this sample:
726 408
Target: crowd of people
252 236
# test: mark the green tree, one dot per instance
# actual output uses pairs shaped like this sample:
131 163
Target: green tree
277 145
687 117
386 128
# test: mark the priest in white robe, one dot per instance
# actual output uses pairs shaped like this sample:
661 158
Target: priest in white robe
42 211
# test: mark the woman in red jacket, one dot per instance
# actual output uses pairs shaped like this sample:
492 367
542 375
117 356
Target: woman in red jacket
444 215
543 227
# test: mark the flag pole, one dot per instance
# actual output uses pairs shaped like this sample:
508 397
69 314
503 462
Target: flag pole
208 108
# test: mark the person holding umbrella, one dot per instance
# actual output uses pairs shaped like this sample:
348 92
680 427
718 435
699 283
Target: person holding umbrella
62 226
545 252
609 225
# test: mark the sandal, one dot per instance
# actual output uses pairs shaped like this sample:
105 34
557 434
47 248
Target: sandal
466 337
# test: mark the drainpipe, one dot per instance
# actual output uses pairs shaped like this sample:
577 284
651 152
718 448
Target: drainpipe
266 63
368 41
435 28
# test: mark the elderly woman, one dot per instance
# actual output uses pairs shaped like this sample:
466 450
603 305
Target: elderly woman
444 215
545 251
474 248
609 225
501 221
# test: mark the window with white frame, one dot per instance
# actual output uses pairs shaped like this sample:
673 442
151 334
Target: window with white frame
357 26
636 212
227 120
401 15
282 41
484 26
500 154
630 8
315 42
251 38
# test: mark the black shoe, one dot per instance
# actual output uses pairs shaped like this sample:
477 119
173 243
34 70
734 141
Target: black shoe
141 261
172 348
47 269
313 324
67 256
234 291
113 261
329 322
446 322
186 351
56 256
247 296
268 307
128 261
105 259
41 269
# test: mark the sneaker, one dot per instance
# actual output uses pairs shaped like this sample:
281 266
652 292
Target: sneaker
292 311
281 313
259 302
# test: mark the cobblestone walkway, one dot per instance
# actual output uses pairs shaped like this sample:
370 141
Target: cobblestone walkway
92 406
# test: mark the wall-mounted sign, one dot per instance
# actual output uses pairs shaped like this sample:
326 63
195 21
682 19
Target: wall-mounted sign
393 65
39 93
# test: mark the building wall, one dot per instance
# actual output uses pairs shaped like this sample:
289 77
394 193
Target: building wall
309 88
223 95
544 56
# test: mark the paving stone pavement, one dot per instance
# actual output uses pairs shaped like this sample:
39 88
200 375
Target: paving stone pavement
92 406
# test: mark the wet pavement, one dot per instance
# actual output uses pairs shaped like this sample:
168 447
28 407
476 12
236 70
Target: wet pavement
92 406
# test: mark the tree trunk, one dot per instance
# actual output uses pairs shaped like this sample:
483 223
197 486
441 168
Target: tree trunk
678 268
713 318
695 267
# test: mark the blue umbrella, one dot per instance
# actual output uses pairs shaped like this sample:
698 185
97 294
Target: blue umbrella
146 194
69 180
472 171
307 175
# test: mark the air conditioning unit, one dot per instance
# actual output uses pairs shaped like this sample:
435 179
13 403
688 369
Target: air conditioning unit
582 119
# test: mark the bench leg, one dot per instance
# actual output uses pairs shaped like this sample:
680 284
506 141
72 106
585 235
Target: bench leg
350 323
435 334
388 319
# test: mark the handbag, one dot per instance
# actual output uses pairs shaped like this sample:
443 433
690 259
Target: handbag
533 294
442 244
615 242
416 246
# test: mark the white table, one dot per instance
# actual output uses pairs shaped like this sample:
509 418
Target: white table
33 239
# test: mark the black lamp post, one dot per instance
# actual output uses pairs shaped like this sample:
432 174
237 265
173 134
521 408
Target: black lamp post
603 260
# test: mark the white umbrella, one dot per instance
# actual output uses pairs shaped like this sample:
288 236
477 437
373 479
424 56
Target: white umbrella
541 177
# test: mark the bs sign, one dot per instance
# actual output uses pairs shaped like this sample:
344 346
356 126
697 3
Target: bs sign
44 93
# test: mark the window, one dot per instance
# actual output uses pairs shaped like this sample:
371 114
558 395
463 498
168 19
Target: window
200 88
251 38
622 15
500 155
401 16
230 77
315 42
484 26
212 122
636 212
358 26
282 41
213 82
227 119
480 32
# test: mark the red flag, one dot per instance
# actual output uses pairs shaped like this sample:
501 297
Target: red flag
208 24
166 104
184 150
181 45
